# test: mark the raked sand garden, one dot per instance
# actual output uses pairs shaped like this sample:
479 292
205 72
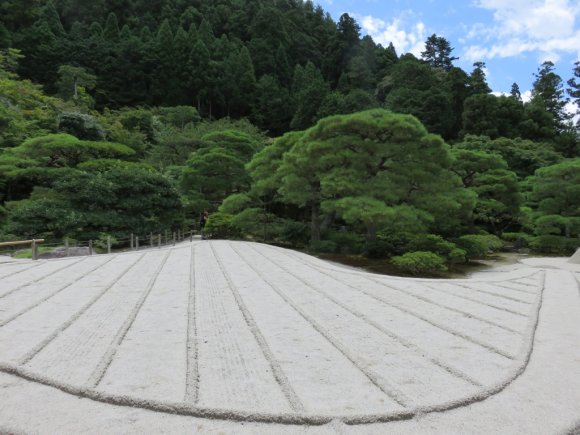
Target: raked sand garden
237 337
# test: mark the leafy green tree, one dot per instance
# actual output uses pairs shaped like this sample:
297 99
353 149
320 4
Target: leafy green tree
199 60
556 191
523 157
73 82
419 92
548 87
515 92
119 201
111 31
272 105
361 166
438 53
496 187
477 81
574 87
308 90
213 174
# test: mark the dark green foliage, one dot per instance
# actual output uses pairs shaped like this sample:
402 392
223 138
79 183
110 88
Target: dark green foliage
323 246
347 243
162 85
420 263
478 246
438 53
81 204
552 244
548 87
221 226
295 233
556 191
432 243
81 125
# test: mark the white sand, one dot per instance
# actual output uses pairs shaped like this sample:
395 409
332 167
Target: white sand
249 338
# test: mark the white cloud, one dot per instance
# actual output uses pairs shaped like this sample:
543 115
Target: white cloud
406 37
548 27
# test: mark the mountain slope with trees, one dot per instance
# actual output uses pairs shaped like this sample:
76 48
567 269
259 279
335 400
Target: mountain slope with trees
291 122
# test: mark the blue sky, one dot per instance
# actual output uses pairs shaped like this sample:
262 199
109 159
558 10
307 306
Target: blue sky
513 37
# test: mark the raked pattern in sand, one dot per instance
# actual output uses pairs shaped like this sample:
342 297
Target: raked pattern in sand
250 332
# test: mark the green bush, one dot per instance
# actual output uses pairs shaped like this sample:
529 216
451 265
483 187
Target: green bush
457 255
220 226
419 263
478 245
431 243
323 246
520 240
550 244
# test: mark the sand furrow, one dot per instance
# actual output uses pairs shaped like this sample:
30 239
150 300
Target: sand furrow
20 267
192 369
107 358
150 361
314 366
63 327
391 354
54 271
37 293
233 371
438 342
451 289
436 320
380 381
279 374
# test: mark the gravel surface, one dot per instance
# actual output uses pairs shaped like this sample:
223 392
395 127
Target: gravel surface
240 337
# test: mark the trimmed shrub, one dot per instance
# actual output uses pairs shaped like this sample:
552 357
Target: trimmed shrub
478 245
457 255
520 240
438 245
220 226
421 262
550 244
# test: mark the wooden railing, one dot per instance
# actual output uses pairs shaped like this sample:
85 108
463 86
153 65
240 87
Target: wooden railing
33 245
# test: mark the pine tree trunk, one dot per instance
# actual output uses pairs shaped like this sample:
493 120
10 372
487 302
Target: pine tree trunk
371 235
315 223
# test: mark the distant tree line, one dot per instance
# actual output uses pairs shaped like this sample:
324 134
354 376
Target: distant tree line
124 114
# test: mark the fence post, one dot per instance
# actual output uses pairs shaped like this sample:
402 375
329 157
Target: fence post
173 238
179 235
132 241
108 244
166 237
159 240
151 239
67 247
137 242
190 236
33 248
90 247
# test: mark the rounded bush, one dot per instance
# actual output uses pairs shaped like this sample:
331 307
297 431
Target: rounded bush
421 262
550 244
